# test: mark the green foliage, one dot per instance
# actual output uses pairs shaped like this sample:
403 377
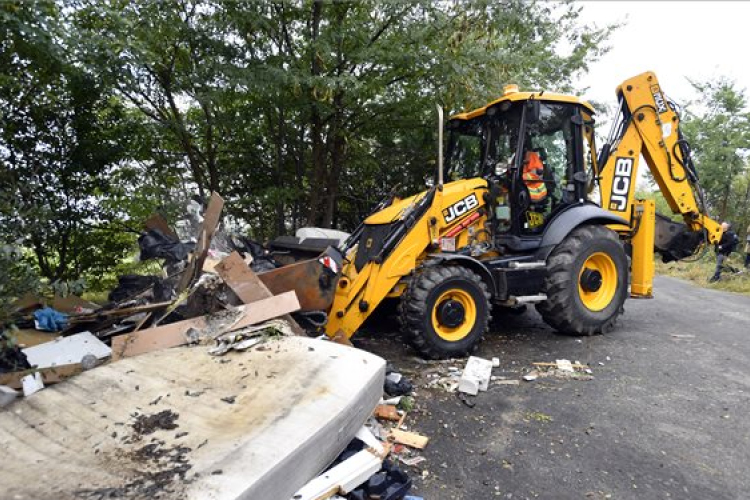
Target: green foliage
718 128
297 112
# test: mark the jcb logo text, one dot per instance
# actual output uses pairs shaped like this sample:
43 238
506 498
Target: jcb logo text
621 184
460 208
661 106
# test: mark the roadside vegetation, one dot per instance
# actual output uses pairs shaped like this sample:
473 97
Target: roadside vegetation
700 271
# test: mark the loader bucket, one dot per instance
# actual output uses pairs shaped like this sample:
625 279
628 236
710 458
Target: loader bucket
313 280
674 240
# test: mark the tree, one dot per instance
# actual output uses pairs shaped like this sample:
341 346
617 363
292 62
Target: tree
62 138
719 131
309 110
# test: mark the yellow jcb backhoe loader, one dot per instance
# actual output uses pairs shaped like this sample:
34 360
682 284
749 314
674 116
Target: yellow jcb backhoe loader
512 219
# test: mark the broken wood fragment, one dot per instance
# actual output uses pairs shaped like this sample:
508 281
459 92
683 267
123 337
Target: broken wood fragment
246 284
211 219
411 439
173 335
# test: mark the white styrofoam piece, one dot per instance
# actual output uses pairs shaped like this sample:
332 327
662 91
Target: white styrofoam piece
367 437
66 350
304 233
342 478
32 383
468 385
478 370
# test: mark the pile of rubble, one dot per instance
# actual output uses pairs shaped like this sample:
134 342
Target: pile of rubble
184 372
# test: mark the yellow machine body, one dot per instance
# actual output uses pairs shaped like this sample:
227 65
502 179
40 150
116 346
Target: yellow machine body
359 292
457 215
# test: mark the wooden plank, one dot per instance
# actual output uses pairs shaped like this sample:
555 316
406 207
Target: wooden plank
411 439
241 279
211 219
173 335
50 375
246 284
156 221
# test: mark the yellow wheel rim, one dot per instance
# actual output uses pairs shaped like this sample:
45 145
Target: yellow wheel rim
597 281
455 333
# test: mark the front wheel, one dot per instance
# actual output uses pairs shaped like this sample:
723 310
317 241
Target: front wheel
587 282
444 312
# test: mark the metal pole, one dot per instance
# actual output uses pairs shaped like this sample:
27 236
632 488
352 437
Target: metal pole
440 146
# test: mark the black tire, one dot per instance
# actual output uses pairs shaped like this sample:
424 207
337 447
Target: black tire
421 298
565 310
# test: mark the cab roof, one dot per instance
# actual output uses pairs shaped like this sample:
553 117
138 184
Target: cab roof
524 96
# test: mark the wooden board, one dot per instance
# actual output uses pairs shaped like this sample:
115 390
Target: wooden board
246 284
211 219
411 439
241 279
173 335
294 408
49 375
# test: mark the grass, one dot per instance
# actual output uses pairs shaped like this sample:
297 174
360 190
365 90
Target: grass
700 271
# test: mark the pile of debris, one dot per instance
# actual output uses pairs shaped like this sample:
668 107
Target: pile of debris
187 371
207 280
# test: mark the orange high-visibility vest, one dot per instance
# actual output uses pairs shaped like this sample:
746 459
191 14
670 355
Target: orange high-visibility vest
533 172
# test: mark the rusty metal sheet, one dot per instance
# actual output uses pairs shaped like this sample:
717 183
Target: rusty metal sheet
313 280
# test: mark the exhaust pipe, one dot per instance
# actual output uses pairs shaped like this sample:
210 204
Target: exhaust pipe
440 146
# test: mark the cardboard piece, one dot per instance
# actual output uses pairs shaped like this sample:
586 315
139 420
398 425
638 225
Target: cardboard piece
72 304
156 221
173 335
246 284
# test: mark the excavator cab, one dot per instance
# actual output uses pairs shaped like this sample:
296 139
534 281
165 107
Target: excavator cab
532 154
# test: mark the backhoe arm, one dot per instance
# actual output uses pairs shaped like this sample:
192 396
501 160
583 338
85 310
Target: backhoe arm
649 126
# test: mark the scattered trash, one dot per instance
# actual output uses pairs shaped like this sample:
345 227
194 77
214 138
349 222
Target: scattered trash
32 383
531 376
397 385
507 382
387 412
476 376
67 350
564 365
50 320
411 439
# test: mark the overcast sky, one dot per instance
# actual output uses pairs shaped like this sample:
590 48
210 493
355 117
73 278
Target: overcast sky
676 39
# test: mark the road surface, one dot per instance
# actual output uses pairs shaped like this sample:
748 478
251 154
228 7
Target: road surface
667 414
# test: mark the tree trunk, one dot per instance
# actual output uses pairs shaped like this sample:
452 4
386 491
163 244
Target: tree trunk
278 177
316 129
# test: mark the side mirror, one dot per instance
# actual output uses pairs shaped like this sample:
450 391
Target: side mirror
533 110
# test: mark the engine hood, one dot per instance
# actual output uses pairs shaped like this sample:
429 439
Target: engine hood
396 210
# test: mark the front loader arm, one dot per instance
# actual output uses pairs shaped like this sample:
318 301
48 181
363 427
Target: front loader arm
648 126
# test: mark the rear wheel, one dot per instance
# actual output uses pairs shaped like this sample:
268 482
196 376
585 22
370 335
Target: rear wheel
444 311
587 282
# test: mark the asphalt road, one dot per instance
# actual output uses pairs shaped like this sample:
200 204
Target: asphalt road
666 415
